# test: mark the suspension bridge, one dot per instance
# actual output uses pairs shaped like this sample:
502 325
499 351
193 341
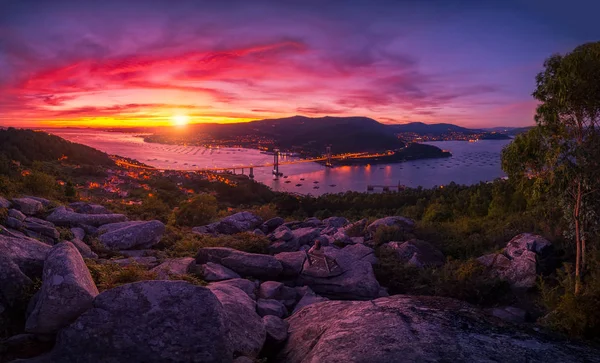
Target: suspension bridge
328 158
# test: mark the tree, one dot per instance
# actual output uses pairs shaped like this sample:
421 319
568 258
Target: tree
197 212
562 154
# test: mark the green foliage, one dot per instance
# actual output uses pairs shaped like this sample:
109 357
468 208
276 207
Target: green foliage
65 234
576 315
151 208
109 275
199 211
70 191
437 212
187 245
464 280
266 211
386 234
41 184
356 230
3 214
8 186
27 146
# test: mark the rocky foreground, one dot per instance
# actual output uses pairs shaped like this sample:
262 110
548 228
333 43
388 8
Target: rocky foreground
281 306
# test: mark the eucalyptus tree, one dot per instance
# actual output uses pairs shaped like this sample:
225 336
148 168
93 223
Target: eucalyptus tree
561 155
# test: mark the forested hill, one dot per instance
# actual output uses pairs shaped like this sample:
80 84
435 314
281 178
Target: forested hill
423 128
347 134
27 146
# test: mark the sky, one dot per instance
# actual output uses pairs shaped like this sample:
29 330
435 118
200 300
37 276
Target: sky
149 63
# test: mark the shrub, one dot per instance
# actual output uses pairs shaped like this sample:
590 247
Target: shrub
65 234
464 280
577 316
266 211
189 245
3 214
386 234
356 230
41 184
151 208
197 212
8 186
110 275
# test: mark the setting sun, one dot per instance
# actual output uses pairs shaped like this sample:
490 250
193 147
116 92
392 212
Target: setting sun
180 120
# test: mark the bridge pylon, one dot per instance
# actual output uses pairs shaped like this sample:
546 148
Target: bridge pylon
276 173
328 155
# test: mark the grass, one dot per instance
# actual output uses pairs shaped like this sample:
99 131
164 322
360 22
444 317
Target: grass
110 275
188 245
463 280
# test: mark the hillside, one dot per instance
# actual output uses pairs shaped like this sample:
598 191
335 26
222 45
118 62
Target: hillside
27 146
423 128
344 134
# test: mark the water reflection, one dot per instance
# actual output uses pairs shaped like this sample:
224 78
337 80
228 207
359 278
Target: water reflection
470 163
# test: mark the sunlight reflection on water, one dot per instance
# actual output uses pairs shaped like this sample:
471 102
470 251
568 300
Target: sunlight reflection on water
470 163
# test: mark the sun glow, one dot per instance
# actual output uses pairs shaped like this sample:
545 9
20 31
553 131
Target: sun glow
180 120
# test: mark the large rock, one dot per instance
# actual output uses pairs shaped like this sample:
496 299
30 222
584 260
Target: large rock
266 307
84 249
292 263
16 214
46 229
308 298
311 222
277 328
173 267
282 233
67 291
416 329
362 252
306 235
236 223
215 272
45 202
131 235
5 203
28 206
526 242
13 223
518 264
271 224
284 246
28 254
87 208
417 253
61 216
246 264
405 224
247 331
247 286
351 279
78 233
13 282
520 272
149 321
336 222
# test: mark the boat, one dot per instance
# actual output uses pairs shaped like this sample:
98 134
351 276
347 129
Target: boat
302 179
316 182
287 181
298 185
285 177
332 185
316 187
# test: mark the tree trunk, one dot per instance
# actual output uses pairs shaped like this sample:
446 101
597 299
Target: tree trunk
578 244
